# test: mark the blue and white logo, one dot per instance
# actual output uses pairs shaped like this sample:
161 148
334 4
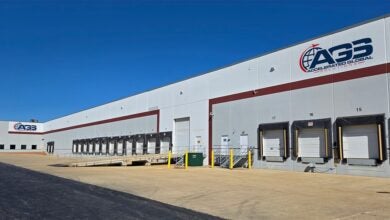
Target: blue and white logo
25 127
315 58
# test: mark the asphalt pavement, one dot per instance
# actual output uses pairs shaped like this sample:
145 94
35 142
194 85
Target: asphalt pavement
26 194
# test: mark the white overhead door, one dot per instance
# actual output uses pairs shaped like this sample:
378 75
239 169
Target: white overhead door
139 147
90 147
129 147
164 145
182 135
78 147
151 146
360 141
111 146
273 143
311 142
120 147
104 146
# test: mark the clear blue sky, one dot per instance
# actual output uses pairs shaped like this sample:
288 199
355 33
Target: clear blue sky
60 57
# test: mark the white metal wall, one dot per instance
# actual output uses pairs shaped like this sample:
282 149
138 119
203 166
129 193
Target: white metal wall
18 139
190 98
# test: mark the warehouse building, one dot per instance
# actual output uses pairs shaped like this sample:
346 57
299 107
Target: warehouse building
323 103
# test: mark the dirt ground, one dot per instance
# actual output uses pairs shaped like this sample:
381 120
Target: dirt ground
234 194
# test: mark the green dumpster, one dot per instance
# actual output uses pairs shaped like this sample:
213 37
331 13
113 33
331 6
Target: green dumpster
195 159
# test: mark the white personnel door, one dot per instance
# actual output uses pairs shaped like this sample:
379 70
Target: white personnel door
224 150
311 142
244 145
182 135
360 141
273 143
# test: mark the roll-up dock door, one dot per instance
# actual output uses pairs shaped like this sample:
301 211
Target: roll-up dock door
129 146
119 146
140 142
74 147
311 143
182 135
111 146
151 146
152 143
273 141
165 142
81 146
311 140
91 146
98 146
86 148
361 140
104 142
50 147
77 143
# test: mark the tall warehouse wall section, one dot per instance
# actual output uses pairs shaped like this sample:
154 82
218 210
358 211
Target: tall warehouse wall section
323 102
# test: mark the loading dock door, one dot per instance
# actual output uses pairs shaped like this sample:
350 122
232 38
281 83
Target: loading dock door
182 135
164 145
120 147
77 147
90 149
111 148
151 146
129 147
139 147
104 146
273 143
50 147
360 141
311 142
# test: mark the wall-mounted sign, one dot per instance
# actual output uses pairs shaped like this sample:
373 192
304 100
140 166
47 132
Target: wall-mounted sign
315 58
25 127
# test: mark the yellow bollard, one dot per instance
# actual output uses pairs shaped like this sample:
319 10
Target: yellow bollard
186 160
212 159
231 159
169 159
249 159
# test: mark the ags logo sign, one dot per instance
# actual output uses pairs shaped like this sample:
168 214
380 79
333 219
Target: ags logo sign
315 58
24 127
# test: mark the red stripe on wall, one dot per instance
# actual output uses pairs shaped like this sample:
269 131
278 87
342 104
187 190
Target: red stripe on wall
126 117
322 80
23 132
